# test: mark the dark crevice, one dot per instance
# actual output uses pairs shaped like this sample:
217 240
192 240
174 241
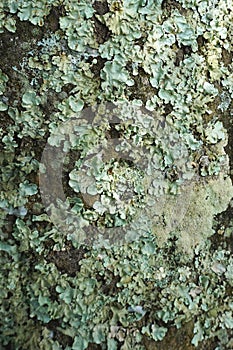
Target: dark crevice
109 283
15 45
227 56
101 7
62 339
169 5
52 20
68 88
222 222
67 261
97 67
183 51
101 31
113 133
228 125
168 108
201 41
142 88
93 346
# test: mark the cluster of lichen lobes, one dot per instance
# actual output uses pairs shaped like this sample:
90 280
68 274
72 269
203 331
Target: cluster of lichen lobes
166 68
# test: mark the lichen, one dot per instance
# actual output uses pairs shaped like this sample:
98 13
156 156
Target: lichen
114 173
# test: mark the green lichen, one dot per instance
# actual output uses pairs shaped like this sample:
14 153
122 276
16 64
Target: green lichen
114 173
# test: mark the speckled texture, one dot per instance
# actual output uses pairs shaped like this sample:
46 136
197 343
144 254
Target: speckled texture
132 101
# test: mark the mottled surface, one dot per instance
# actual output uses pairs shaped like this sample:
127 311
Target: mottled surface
132 101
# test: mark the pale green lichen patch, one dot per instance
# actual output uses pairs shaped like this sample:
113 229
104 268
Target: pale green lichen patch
206 200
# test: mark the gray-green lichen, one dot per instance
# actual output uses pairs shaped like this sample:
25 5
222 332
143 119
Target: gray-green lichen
156 76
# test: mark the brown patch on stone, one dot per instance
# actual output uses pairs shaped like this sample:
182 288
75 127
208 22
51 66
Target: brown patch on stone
93 346
168 108
96 68
142 88
183 51
15 45
179 339
62 339
227 56
228 124
109 283
101 31
169 5
101 7
223 221
52 20
67 261
201 42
